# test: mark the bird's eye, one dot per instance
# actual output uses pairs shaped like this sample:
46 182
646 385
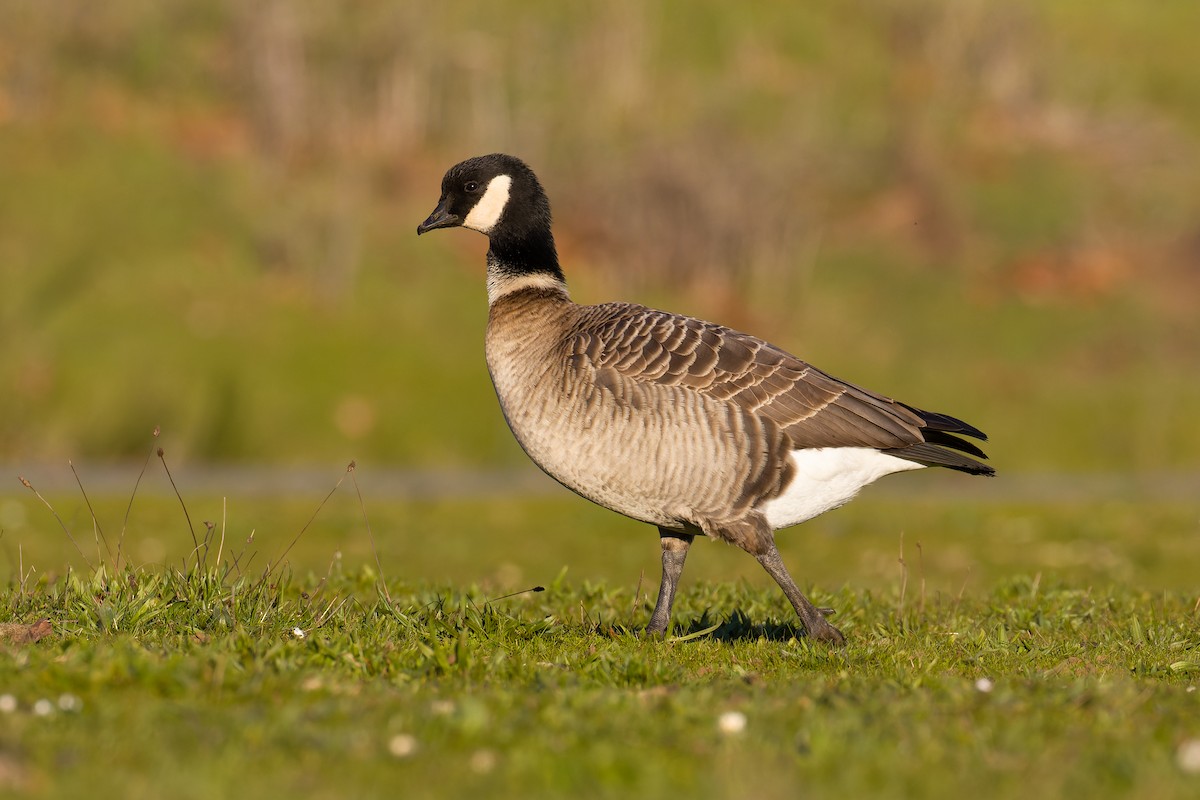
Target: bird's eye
471 186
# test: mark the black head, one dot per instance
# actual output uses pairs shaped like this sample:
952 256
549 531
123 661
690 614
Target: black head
497 195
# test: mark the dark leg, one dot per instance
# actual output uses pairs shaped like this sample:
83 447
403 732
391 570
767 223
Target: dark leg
674 551
754 535
814 622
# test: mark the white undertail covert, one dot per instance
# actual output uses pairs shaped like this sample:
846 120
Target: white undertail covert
828 477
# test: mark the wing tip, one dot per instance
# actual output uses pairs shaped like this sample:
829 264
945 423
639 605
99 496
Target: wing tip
936 421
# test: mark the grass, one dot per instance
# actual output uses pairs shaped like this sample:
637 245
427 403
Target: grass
193 686
994 648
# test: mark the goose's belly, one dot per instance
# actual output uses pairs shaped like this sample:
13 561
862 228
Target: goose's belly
675 456
659 469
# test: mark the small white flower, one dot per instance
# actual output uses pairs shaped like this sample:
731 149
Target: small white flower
8 704
482 761
731 723
43 708
402 745
1191 689
984 685
441 708
1188 756
298 633
69 702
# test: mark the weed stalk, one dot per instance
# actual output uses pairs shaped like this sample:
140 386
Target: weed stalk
125 523
183 505
61 524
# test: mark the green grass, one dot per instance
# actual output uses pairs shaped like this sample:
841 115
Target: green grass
188 686
193 683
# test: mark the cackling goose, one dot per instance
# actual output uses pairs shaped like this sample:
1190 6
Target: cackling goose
687 425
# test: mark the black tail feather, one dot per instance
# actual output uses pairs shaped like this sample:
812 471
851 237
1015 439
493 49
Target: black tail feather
941 443
933 456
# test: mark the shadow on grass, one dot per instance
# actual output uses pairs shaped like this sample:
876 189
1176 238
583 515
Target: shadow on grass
740 627
737 628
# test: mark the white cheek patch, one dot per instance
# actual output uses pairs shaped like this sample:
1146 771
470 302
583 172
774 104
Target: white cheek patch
487 211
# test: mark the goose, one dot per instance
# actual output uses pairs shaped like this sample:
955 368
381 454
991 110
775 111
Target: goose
690 426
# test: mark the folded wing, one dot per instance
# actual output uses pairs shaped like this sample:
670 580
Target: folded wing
814 409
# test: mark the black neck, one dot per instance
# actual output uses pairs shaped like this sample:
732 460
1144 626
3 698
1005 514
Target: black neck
527 254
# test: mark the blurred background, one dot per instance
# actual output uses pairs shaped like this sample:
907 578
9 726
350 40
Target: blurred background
207 210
